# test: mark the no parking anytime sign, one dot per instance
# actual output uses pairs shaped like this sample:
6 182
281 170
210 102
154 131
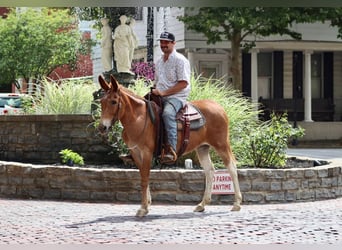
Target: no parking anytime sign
222 183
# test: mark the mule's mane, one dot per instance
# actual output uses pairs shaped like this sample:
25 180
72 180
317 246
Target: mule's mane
131 93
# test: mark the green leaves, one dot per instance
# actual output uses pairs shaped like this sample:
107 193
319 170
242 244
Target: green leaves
241 26
35 41
70 157
65 97
258 21
266 145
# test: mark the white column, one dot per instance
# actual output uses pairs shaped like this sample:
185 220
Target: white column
307 87
191 59
254 75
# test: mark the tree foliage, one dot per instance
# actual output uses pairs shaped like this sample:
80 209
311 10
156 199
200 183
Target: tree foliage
242 26
36 41
96 13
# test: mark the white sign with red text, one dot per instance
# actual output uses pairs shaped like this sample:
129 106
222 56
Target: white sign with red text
222 183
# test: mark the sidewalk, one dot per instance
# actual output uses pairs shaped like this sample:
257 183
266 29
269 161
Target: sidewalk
317 153
53 222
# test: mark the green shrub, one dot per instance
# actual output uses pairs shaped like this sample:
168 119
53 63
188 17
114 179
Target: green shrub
115 139
266 146
70 157
65 97
27 103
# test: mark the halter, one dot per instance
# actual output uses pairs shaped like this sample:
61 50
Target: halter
117 113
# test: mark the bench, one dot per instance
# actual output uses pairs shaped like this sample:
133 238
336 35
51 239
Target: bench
322 109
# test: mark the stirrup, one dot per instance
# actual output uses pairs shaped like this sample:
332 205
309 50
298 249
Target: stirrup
168 158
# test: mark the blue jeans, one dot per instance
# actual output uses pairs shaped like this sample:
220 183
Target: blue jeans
171 107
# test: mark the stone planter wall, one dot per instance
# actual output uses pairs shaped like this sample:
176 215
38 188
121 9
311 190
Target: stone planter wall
39 138
167 186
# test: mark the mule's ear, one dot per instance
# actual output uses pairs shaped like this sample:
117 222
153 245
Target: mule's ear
114 83
103 83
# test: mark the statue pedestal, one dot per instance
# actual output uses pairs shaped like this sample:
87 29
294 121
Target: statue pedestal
124 79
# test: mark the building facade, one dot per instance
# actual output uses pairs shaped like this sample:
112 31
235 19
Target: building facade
303 78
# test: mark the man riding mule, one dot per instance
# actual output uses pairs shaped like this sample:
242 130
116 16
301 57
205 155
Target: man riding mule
139 133
172 83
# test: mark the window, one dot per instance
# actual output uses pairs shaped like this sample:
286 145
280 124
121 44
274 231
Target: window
316 75
210 69
265 77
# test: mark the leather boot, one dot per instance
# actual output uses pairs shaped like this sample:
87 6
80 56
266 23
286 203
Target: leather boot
168 155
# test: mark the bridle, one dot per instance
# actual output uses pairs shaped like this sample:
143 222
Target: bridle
116 117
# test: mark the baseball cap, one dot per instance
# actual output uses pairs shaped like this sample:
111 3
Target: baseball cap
167 36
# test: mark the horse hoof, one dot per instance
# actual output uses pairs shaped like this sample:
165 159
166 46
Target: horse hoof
141 212
199 208
236 208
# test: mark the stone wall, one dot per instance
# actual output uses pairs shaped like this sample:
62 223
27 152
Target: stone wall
19 180
39 138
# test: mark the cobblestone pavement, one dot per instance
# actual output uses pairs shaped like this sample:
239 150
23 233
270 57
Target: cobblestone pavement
59 222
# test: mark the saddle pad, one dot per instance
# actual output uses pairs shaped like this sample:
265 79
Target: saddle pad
194 115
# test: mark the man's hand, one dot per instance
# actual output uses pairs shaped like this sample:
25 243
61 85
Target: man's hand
157 92
171 91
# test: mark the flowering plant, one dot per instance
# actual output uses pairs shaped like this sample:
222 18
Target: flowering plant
144 70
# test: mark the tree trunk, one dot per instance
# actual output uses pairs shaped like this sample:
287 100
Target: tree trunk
235 60
24 85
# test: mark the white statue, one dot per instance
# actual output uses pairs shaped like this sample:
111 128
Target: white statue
106 45
134 40
122 46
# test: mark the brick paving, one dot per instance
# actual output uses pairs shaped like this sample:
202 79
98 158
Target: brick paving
59 222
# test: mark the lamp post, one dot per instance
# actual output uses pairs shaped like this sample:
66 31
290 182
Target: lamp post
149 34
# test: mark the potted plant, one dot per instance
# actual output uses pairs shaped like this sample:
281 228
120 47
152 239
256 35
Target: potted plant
70 157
